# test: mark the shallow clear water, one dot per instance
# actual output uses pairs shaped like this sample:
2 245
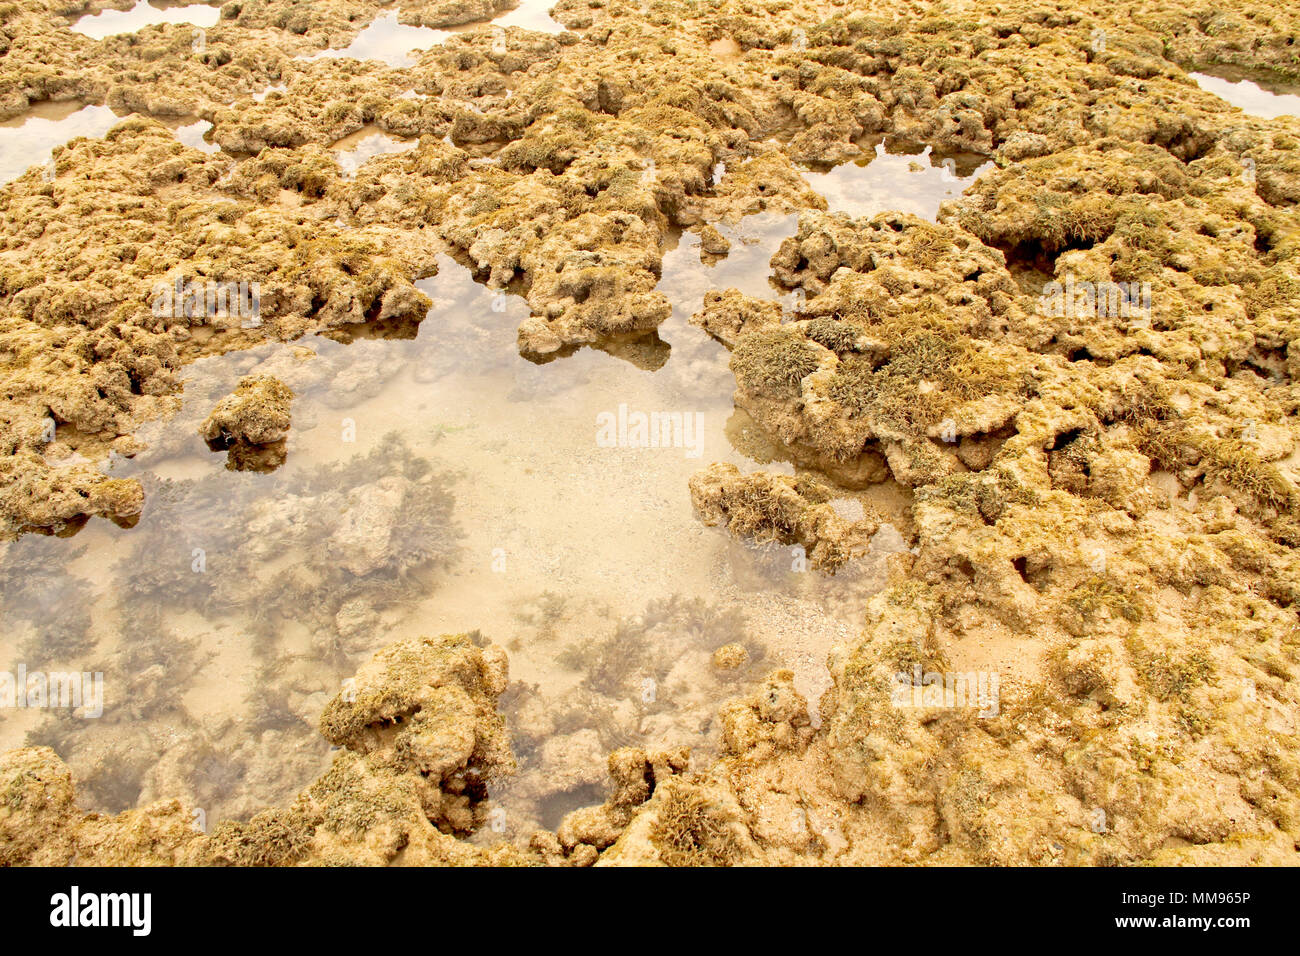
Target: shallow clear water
388 41
146 13
531 15
912 183
1249 96
434 481
193 134
353 150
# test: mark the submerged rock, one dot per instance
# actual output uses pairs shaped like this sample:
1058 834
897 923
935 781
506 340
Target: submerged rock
775 507
422 738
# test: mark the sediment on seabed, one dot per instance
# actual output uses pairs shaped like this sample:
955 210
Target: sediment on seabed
986 554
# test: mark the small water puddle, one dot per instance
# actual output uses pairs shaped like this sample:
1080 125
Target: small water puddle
29 140
146 13
353 150
1269 100
916 183
391 42
195 135
386 40
530 15
753 241
261 95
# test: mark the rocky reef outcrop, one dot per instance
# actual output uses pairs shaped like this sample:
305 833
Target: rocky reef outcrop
1080 382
